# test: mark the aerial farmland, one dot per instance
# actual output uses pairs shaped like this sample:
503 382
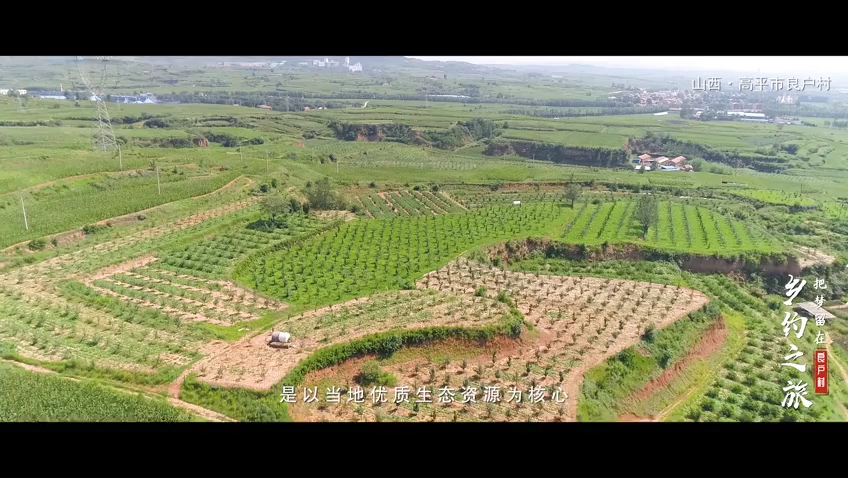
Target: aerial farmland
335 243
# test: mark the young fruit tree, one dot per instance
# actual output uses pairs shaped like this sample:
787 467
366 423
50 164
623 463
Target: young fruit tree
275 206
646 213
572 193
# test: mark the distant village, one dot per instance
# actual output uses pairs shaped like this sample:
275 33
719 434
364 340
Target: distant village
144 98
738 108
320 63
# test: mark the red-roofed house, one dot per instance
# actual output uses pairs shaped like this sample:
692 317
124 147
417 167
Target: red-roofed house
679 161
645 157
661 160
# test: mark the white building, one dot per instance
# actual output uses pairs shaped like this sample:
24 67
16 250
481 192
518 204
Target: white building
356 67
51 95
4 91
746 115
347 61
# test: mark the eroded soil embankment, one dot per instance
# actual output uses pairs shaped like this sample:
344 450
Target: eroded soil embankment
711 341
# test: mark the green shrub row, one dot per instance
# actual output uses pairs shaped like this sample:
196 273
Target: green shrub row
560 250
387 343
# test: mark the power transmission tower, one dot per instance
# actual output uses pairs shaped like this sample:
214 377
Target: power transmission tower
104 137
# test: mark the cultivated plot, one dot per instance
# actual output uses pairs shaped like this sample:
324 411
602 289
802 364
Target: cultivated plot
580 322
253 364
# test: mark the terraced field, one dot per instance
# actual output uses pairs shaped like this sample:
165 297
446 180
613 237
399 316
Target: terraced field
407 203
252 364
140 280
681 226
577 327
363 257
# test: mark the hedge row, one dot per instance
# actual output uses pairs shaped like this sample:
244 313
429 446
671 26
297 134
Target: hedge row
562 250
387 343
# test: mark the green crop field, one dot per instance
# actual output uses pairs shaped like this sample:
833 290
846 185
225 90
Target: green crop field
414 224
30 397
384 254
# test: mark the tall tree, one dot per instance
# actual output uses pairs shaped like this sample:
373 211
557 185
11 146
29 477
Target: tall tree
274 206
647 213
322 197
572 193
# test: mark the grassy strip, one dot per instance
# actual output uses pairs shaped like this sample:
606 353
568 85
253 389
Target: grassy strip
697 378
28 396
608 385
79 368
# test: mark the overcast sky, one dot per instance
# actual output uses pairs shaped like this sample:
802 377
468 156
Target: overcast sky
806 66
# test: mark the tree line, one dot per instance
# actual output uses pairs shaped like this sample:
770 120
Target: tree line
809 111
558 153
458 135
224 139
665 144
554 113
32 123
299 99
275 100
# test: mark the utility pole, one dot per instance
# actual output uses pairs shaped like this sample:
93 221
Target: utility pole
240 156
266 162
26 224
120 157
158 184
287 103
